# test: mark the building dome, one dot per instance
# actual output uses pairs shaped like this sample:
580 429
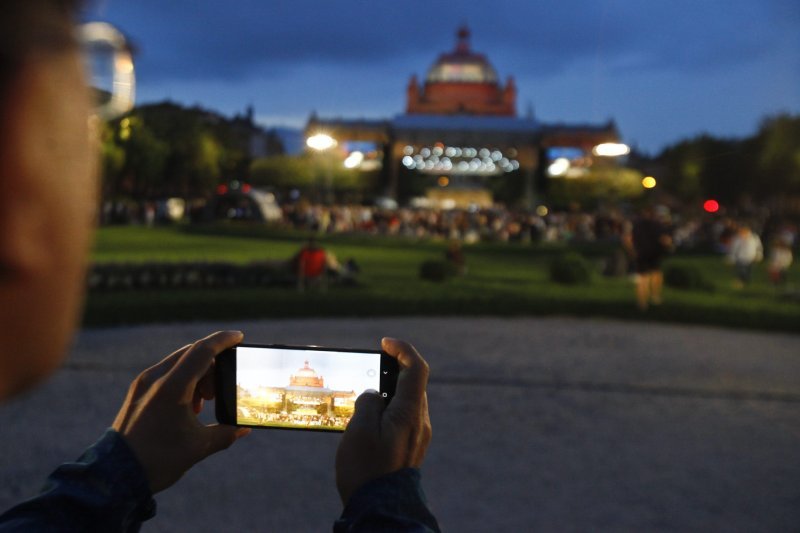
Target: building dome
461 82
462 65
306 371
306 377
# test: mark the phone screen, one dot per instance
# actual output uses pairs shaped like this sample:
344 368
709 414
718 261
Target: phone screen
303 388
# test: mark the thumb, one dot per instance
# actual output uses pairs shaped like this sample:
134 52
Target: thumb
369 408
219 437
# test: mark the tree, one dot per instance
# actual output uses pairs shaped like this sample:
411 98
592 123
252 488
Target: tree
282 172
112 157
145 159
763 166
169 150
310 173
778 162
601 183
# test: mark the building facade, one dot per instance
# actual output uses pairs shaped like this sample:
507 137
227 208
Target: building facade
461 127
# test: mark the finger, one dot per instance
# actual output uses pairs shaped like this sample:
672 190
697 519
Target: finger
413 378
219 437
369 408
424 435
165 365
193 365
426 417
205 387
197 402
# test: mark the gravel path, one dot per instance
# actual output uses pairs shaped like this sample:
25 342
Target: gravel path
548 424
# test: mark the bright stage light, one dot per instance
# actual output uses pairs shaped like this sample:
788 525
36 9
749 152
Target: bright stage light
320 141
611 149
354 160
558 167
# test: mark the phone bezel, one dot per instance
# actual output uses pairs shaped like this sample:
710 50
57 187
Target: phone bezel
225 381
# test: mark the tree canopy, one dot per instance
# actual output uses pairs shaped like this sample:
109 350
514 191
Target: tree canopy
762 166
169 150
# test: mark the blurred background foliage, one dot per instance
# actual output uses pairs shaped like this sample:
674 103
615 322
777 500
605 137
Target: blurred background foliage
164 150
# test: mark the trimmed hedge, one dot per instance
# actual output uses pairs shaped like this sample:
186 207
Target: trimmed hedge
571 269
686 277
437 271
185 275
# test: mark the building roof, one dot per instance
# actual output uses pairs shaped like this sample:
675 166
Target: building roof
465 123
310 390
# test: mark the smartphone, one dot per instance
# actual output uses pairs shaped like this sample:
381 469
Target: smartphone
298 387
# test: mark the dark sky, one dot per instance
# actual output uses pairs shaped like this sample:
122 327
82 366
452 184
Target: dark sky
663 69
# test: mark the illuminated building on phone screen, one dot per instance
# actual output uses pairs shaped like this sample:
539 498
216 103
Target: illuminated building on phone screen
460 131
305 395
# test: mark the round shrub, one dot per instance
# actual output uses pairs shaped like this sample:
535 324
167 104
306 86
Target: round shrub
437 271
570 269
686 277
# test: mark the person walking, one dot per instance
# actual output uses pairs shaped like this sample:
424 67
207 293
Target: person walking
746 250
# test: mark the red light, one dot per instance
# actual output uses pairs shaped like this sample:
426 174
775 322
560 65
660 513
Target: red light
711 206
246 188
222 189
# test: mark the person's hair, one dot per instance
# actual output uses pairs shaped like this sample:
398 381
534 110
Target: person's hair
28 27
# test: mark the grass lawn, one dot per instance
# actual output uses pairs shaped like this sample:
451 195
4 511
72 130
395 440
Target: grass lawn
503 279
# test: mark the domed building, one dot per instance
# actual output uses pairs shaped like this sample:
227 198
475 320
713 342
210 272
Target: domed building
460 130
305 396
462 82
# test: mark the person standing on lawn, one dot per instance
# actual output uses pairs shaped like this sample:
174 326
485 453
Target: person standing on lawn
648 242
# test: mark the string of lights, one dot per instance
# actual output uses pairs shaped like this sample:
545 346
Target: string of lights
441 159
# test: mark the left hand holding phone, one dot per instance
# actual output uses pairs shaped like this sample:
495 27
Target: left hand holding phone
159 420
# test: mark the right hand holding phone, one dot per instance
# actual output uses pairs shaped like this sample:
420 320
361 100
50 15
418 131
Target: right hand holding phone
381 439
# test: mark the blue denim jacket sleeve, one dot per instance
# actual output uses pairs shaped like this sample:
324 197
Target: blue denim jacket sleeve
104 490
394 502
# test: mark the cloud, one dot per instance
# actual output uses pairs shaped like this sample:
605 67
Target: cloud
204 39
573 59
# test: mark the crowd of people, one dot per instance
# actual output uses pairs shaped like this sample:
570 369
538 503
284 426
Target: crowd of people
731 236
499 224
264 416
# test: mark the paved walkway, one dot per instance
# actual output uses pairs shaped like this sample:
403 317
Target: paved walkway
548 424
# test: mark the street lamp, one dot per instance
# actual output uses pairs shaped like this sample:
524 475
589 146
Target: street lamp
320 142
648 182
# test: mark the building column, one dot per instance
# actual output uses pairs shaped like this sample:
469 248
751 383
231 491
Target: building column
392 158
529 163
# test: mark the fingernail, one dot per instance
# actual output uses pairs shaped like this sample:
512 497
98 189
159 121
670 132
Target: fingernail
242 432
